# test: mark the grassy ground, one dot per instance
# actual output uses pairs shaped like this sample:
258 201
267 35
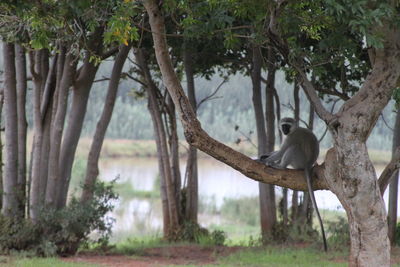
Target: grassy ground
40 262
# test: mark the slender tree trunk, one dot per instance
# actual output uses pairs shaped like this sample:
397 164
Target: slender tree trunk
393 188
174 153
266 209
54 183
1 151
10 206
162 149
192 192
36 192
92 169
270 126
22 124
295 195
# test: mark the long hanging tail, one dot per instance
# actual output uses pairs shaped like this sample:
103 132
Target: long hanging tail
307 173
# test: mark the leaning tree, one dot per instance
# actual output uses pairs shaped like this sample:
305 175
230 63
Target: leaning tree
348 172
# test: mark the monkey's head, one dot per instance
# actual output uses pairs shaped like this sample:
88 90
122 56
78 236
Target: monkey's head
287 125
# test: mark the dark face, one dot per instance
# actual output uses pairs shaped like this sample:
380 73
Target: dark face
286 128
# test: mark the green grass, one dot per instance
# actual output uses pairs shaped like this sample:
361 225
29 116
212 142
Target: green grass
279 257
41 262
136 245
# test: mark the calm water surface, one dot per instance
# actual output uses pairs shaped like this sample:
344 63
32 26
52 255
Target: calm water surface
217 181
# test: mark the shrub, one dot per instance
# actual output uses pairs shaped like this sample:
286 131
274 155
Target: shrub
193 232
61 231
338 234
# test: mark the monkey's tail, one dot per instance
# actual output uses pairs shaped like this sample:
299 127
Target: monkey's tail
308 173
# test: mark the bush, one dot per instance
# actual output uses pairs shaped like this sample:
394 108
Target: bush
338 234
61 231
193 232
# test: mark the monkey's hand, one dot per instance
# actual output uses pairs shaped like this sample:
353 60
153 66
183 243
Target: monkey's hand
263 158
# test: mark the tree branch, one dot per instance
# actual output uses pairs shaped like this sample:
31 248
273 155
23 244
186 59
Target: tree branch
211 96
389 170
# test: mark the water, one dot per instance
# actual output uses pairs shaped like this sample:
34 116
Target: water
217 181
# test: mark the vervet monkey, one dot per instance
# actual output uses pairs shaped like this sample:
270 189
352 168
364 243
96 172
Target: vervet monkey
299 150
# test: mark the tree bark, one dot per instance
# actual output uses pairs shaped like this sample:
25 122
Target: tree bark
10 181
92 168
21 77
393 188
192 192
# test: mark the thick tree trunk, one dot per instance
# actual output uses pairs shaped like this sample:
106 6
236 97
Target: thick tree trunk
351 174
192 187
54 183
171 224
22 123
10 181
393 189
92 169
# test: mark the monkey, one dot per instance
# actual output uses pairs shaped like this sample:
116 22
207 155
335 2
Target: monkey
299 150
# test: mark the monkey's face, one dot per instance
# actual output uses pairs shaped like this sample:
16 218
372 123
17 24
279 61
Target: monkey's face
286 128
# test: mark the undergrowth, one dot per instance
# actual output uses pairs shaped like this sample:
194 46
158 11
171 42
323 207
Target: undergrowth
63 231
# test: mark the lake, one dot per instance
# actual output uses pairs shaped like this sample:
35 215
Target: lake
217 181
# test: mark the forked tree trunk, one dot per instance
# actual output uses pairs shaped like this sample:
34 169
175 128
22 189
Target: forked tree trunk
192 191
80 98
10 206
349 171
53 189
92 169
393 189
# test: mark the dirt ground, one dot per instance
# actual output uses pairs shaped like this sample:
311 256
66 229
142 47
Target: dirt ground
157 257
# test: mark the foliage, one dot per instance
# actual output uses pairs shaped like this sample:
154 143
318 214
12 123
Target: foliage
193 232
397 237
338 234
61 231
